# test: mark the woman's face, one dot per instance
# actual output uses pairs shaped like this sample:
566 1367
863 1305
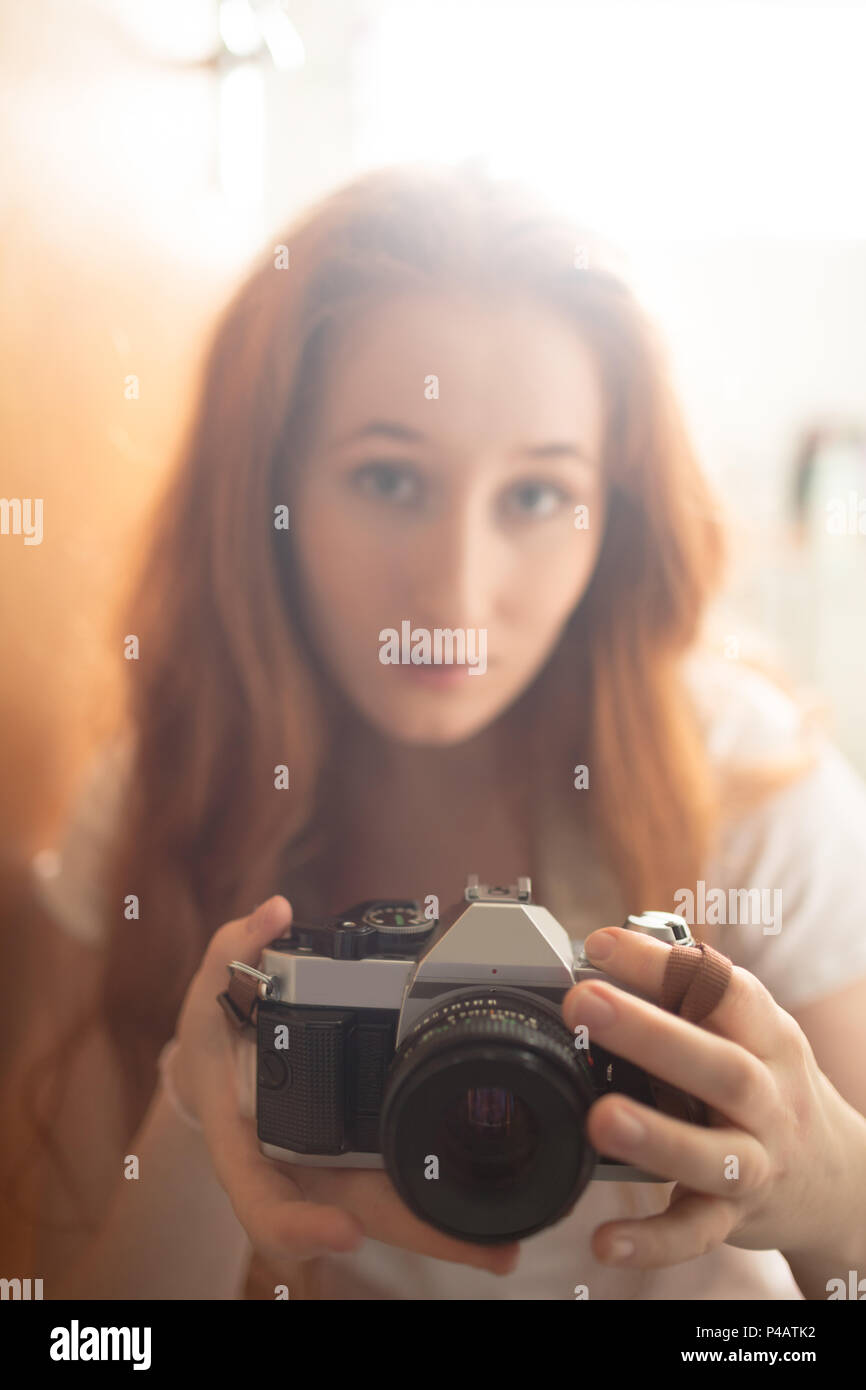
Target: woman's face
478 509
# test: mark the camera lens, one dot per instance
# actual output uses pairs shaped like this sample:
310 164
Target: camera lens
490 1136
483 1118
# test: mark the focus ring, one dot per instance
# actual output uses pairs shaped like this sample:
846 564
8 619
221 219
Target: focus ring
494 1019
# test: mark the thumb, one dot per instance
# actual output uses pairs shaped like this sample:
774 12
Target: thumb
270 919
245 938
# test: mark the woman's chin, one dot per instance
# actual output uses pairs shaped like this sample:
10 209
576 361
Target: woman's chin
440 728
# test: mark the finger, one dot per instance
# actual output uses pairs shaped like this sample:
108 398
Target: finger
747 1013
267 1201
245 938
718 1071
719 1161
692 1225
371 1197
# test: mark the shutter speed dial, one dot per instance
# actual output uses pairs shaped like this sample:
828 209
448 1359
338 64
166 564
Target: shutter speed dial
397 919
377 927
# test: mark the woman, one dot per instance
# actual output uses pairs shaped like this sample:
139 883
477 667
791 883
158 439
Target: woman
434 403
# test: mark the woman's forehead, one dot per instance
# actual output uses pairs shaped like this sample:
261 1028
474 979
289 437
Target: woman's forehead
426 370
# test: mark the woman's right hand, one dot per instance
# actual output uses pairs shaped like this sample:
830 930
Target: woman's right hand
286 1210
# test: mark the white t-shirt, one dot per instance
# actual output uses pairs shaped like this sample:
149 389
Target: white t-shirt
805 938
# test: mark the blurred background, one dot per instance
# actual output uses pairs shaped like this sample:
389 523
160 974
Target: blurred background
151 147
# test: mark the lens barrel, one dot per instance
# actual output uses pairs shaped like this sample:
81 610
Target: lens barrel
483 1118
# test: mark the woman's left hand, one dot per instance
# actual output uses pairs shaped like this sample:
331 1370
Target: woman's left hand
797 1143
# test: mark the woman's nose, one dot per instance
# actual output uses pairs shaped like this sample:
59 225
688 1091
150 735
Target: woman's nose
454 572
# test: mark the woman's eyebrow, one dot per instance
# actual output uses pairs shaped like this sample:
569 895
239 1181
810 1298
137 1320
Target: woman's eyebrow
392 429
555 450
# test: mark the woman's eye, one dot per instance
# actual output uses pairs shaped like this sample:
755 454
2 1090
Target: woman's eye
387 481
535 500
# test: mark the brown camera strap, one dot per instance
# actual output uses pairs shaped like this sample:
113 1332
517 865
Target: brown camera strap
695 980
239 1000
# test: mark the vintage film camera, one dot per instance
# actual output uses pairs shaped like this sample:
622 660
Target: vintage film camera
436 1049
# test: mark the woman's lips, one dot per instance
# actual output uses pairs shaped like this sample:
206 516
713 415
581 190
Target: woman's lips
436 677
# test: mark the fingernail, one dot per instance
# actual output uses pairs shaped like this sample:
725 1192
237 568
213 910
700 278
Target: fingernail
592 1007
627 1127
621 1249
346 1246
600 945
262 915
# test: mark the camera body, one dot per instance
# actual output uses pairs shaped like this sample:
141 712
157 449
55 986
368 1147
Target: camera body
435 1048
